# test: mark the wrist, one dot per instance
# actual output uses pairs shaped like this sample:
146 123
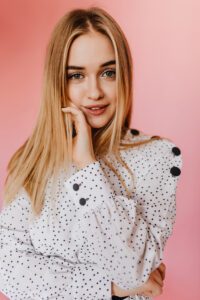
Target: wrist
117 291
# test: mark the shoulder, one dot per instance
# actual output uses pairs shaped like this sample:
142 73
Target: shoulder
152 149
20 202
140 138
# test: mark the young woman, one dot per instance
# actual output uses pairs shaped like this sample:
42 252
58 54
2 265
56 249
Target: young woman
89 202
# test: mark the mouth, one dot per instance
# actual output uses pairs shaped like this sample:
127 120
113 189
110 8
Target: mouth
96 111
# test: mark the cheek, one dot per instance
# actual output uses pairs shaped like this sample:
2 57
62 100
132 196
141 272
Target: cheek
111 91
113 98
75 93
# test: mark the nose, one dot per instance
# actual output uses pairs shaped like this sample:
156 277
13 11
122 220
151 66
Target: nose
94 91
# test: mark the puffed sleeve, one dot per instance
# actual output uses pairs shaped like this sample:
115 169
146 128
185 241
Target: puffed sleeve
126 236
26 274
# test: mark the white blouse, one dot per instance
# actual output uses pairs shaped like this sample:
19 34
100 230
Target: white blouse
89 233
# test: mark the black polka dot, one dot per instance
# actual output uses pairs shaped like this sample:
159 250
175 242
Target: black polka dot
176 151
135 132
175 171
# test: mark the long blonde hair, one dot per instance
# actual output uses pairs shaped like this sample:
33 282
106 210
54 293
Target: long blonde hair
49 147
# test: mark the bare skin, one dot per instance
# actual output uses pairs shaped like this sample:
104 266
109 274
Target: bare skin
91 73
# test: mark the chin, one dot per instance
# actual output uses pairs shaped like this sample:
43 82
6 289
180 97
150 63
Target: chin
96 123
97 126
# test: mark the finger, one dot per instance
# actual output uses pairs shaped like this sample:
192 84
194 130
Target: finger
71 104
70 108
162 269
162 266
77 114
162 273
81 123
158 278
75 119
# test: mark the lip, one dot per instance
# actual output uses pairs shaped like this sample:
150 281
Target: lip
95 112
95 105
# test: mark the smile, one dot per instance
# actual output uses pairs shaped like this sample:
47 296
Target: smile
95 111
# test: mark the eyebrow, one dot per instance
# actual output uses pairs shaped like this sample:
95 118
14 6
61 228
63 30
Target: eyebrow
108 63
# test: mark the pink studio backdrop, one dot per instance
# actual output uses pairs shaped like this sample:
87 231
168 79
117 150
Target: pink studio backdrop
164 39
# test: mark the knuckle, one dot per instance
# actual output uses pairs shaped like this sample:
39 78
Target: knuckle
156 292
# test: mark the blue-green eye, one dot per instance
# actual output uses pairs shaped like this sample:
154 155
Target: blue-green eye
111 72
74 76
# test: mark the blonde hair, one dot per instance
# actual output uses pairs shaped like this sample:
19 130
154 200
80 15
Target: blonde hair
49 147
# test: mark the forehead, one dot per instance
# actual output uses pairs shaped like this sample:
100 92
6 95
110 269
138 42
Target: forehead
91 49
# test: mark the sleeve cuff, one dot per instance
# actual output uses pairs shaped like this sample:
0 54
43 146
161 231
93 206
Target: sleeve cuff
89 187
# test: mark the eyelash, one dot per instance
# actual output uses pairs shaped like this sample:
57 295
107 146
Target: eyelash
71 76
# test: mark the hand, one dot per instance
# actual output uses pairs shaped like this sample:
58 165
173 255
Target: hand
83 152
153 287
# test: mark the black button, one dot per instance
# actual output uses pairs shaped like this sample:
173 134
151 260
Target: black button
135 131
75 186
82 201
175 171
176 150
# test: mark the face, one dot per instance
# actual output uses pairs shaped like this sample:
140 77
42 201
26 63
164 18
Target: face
91 77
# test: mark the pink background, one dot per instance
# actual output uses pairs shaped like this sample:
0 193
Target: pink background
164 39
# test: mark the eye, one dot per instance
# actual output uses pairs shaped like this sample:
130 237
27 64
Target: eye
73 76
110 73
76 76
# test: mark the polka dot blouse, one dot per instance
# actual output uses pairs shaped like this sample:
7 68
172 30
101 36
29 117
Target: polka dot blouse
89 233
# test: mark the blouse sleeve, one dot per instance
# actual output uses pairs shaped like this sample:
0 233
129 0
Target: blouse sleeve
126 236
26 274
